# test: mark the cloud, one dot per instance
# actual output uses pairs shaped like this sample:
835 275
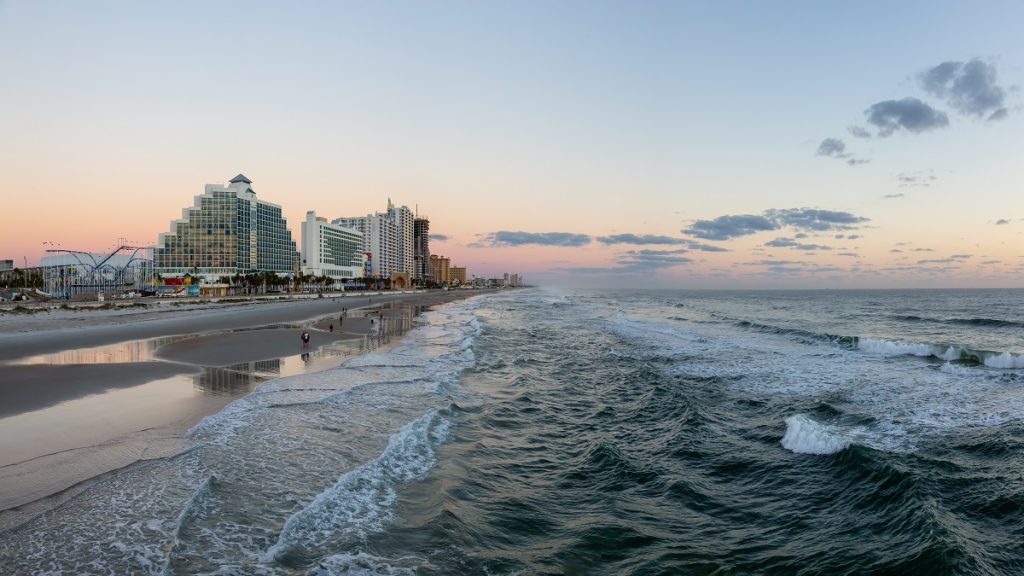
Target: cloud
992 262
802 219
816 220
727 227
887 196
923 250
908 114
507 238
937 261
969 87
643 239
850 254
705 247
859 132
439 237
652 239
639 262
955 258
652 259
832 147
836 148
784 242
1002 221
915 180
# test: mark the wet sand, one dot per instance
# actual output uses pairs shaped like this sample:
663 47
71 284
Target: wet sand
92 392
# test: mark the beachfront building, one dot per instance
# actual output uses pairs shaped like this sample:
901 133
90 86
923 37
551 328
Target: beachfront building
6 265
387 239
421 249
457 275
439 269
331 250
227 231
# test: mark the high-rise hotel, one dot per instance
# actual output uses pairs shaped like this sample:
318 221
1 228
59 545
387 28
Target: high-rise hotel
331 250
388 238
227 231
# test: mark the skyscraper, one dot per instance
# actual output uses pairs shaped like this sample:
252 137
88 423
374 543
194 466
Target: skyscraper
227 231
421 247
387 237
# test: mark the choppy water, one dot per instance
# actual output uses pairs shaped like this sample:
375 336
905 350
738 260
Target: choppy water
600 433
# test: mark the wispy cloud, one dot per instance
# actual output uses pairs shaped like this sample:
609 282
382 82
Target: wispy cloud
1002 221
439 237
508 238
915 180
859 132
888 196
784 242
640 239
638 262
654 240
909 114
836 148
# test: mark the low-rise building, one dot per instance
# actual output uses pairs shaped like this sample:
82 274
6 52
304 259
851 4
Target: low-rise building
457 275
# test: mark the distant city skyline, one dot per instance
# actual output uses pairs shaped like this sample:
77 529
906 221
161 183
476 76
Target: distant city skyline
662 144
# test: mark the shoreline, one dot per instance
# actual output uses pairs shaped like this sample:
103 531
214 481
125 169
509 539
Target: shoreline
117 389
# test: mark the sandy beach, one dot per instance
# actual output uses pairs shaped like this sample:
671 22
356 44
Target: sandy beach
86 392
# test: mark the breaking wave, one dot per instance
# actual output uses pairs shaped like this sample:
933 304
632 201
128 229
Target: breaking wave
889 348
360 502
804 435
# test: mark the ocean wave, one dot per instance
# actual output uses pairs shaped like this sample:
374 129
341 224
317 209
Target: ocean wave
804 435
361 501
845 341
982 322
992 359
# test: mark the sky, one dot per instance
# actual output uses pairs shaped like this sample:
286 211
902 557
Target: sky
790 144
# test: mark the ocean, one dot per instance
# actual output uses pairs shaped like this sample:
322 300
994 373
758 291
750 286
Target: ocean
599 432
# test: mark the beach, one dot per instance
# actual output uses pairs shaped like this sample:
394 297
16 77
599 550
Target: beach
87 392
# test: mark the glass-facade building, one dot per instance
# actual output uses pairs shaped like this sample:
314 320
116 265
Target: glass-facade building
227 231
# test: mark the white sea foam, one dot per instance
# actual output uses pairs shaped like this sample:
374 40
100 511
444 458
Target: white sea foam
807 436
894 347
1005 361
364 564
360 502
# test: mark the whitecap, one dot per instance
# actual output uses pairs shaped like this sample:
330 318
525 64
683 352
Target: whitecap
806 436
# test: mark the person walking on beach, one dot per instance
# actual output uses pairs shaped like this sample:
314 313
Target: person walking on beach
332 327
305 339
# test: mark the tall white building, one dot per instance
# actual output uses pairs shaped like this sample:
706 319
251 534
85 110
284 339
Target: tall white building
387 237
330 249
